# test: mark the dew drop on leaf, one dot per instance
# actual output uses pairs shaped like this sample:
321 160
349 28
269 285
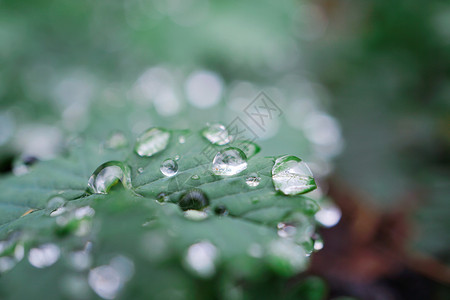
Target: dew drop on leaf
201 258
169 167
230 161
221 210
193 199
181 139
292 176
152 141
162 197
116 140
195 177
44 255
217 134
140 170
286 230
253 180
107 175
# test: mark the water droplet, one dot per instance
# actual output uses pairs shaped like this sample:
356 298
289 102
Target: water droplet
6 264
55 202
221 210
253 180
80 260
193 199
230 161
181 139
177 157
44 255
195 177
116 140
195 215
250 149
107 175
162 198
140 170
201 259
105 281
292 176
286 230
84 212
22 166
169 167
217 134
152 141
328 215
318 242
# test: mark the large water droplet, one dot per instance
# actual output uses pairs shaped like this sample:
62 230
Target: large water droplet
253 180
230 161
193 199
292 176
201 258
152 141
44 255
169 167
107 175
217 134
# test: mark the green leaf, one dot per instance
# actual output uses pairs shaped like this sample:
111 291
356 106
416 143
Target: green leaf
156 236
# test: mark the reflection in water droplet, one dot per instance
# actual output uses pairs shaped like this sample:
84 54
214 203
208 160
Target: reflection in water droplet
107 175
217 134
250 148
230 161
253 180
201 258
44 255
116 140
328 215
221 210
292 176
140 170
195 177
152 141
193 199
195 215
169 167
105 281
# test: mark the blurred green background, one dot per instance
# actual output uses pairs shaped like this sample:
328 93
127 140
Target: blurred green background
364 87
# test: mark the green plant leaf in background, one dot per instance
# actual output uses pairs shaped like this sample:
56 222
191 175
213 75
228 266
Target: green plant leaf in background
138 242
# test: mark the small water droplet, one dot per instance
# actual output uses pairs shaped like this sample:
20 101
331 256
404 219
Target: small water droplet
177 157
328 215
116 140
292 176
193 199
230 161
195 177
318 242
169 167
181 139
162 197
286 230
140 170
44 255
201 258
152 141
22 166
217 134
221 210
253 180
55 202
107 175
250 148
195 215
